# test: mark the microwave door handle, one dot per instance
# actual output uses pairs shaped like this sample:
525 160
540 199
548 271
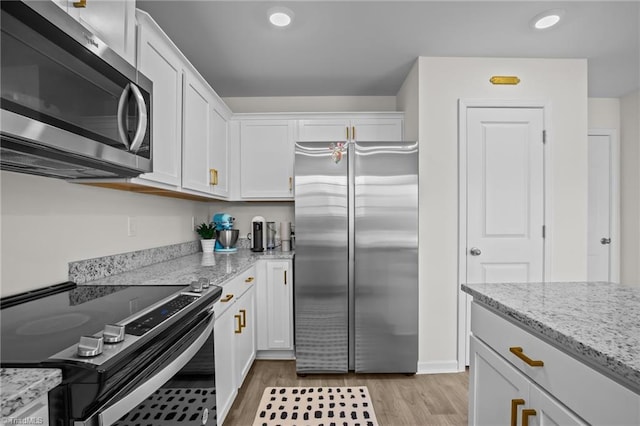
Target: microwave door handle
111 414
122 115
142 119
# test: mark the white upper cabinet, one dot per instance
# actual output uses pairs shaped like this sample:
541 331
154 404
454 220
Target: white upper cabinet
205 141
219 148
159 60
363 127
113 21
266 159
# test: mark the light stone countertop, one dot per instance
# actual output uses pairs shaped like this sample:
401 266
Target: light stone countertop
217 267
21 386
596 322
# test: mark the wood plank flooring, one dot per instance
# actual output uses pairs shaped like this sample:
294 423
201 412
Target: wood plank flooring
398 400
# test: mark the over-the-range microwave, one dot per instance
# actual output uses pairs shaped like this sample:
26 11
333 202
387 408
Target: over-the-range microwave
71 107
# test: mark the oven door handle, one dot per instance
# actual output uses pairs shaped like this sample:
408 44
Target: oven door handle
111 414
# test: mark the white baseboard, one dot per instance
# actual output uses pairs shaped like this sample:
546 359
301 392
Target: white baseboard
437 367
276 354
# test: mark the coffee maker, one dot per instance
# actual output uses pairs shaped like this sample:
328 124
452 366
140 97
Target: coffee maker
258 234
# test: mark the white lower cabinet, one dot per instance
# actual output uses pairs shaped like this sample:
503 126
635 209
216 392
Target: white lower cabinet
235 338
517 378
275 309
501 395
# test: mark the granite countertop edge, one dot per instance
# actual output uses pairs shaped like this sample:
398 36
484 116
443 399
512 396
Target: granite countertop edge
21 386
607 364
219 268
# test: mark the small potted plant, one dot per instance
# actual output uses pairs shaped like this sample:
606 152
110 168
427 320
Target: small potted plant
207 232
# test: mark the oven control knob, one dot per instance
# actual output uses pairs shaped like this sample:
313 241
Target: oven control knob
89 346
196 286
205 282
113 333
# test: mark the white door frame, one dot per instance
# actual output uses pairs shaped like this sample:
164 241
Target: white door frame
463 106
614 202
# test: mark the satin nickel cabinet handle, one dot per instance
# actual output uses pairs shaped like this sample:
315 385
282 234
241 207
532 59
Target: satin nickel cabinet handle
525 415
517 351
514 410
239 329
81 3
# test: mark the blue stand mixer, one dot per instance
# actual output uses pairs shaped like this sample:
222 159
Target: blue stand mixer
226 236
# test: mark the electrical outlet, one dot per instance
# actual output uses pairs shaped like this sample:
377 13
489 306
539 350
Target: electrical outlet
132 226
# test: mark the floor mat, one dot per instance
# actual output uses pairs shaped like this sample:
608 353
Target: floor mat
307 406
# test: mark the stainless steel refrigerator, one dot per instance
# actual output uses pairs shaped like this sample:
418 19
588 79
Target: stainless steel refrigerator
356 260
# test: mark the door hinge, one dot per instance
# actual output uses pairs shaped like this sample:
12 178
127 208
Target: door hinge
544 231
544 136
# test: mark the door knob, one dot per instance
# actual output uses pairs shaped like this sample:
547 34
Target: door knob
475 251
605 241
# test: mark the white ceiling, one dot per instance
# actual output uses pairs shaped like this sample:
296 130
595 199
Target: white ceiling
364 48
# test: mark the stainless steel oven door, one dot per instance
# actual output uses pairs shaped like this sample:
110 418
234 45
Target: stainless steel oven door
137 403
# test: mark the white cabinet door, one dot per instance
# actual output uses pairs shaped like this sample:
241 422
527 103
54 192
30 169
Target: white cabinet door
376 129
266 159
362 129
245 334
197 135
219 150
494 387
113 21
549 411
277 307
323 130
160 63
226 388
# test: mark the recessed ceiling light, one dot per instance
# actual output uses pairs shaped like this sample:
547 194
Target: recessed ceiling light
547 19
280 16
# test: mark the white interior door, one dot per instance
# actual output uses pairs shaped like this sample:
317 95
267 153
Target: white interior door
505 195
599 219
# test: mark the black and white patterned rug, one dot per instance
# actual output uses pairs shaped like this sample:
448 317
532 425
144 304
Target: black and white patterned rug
315 406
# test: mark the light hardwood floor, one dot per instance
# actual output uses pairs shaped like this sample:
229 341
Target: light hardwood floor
398 400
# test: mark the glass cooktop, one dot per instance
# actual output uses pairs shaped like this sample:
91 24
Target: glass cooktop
34 330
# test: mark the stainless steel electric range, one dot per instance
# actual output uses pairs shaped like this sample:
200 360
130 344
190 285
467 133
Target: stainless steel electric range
124 351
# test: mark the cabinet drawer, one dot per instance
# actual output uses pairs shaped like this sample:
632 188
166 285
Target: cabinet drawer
593 396
233 289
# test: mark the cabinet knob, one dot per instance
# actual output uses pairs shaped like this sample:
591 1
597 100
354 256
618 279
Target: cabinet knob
249 280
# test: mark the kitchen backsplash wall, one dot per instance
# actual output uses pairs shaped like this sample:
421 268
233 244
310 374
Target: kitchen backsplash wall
47 223
245 211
